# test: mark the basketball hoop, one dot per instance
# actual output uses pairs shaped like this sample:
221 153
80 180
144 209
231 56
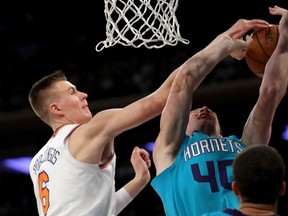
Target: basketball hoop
136 23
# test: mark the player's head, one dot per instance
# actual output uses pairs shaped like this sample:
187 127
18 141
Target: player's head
259 173
54 97
205 120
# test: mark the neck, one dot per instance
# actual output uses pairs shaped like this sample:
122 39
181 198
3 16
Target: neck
258 209
58 126
60 123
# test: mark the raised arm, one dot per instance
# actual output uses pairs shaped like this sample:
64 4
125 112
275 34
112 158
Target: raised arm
175 115
94 142
273 88
141 163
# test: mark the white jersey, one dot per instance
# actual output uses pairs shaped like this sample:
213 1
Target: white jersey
64 186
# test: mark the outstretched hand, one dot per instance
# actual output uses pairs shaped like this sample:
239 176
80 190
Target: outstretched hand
243 26
241 46
239 31
276 10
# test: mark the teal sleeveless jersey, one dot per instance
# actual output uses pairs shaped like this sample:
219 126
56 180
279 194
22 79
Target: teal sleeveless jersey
229 212
199 181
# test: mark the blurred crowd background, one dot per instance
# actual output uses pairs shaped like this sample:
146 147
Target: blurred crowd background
38 37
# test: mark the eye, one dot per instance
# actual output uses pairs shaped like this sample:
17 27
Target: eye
72 91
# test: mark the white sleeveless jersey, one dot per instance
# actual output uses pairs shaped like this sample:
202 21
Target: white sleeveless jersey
64 186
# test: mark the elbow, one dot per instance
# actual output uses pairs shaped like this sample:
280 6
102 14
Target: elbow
191 70
272 92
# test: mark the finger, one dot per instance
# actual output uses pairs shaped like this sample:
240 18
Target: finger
236 34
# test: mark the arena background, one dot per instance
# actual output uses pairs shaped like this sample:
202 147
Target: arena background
37 37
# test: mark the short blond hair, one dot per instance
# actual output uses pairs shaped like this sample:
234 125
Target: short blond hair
39 93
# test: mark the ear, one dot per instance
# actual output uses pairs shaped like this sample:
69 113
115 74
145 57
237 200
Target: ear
235 188
282 189
55 109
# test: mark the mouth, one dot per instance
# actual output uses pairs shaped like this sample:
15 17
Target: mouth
204 116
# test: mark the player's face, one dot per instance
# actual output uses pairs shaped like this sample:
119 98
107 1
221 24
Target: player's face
205 120
72 103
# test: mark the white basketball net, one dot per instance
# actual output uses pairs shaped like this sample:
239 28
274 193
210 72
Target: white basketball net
149 23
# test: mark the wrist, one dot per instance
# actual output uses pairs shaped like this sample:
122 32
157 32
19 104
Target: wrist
123 198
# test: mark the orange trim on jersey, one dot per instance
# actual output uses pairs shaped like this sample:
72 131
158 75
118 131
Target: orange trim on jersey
107 163
103 165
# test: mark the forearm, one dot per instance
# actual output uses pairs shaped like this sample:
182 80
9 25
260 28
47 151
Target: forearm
136 185
161 94
276 71
127 193
141 163
123 198
203 62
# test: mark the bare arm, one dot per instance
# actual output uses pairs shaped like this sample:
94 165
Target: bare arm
141 163
175 115
93 142
257 129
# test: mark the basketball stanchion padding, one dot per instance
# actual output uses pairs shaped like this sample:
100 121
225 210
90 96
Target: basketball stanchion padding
136 23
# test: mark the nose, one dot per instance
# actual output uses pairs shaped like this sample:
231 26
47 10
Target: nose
83 95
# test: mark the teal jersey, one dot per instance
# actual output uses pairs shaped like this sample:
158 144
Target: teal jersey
229 212
222 214
226 212
199 180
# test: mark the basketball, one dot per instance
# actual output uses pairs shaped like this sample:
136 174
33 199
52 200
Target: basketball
262 47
